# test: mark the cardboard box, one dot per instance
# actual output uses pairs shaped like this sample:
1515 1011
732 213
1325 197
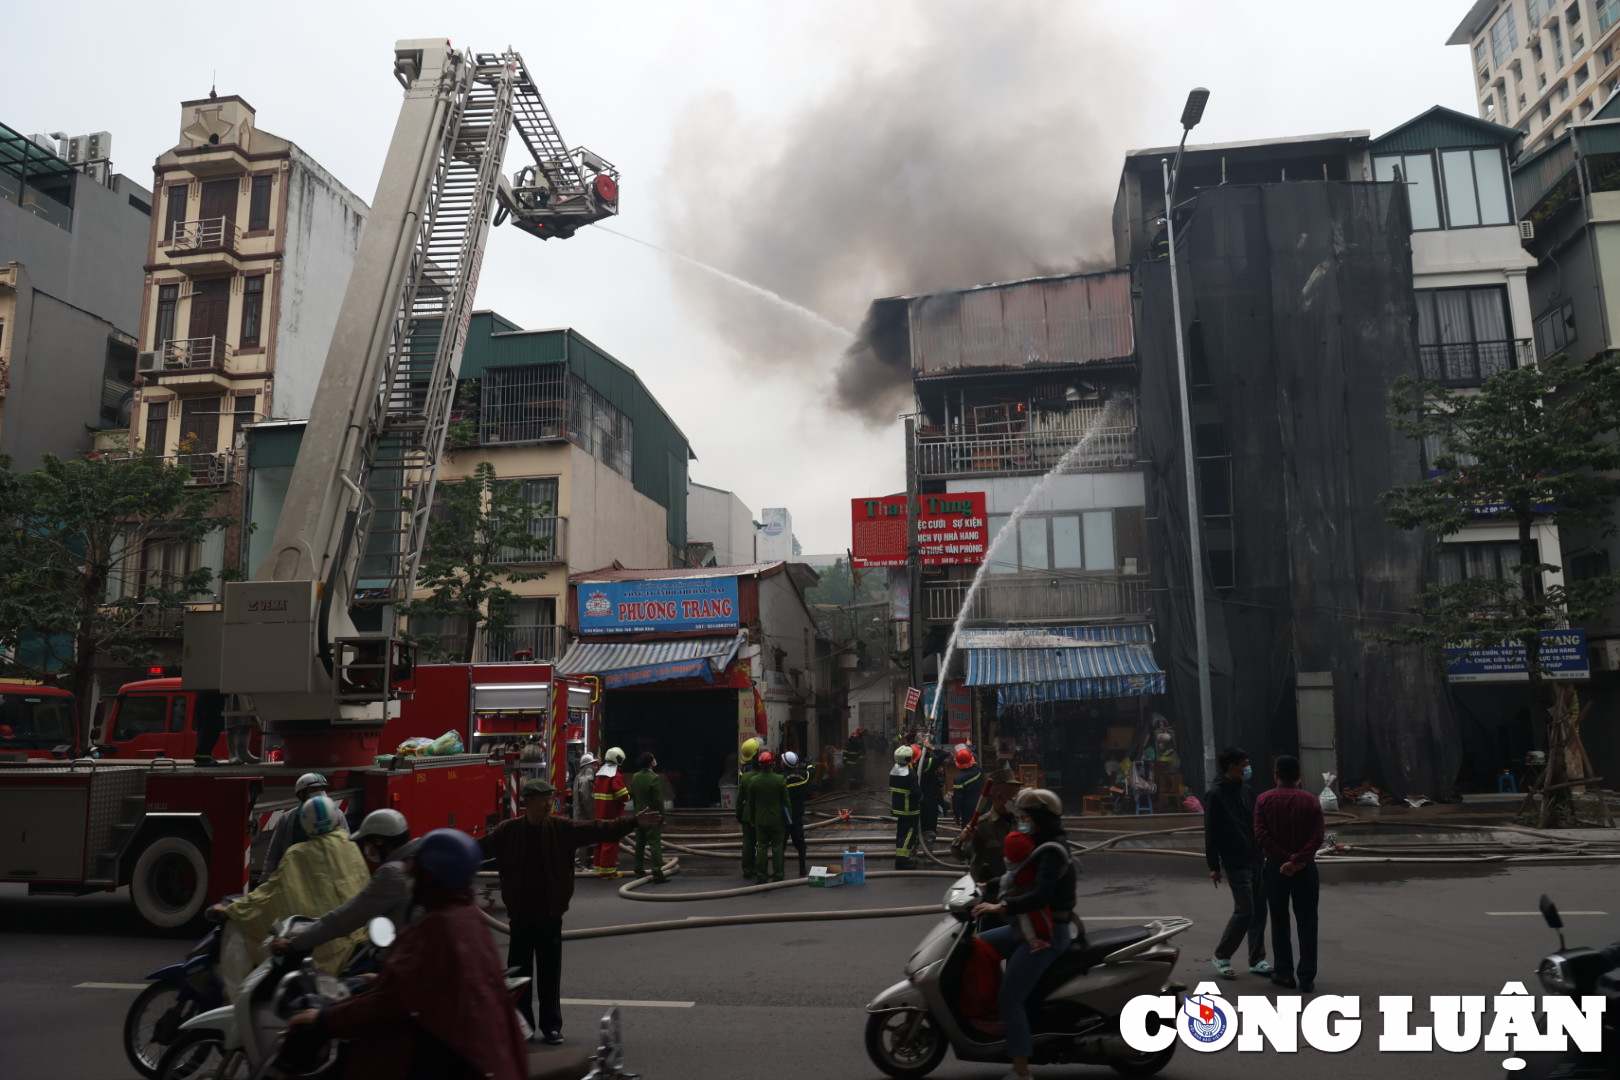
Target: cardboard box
855 868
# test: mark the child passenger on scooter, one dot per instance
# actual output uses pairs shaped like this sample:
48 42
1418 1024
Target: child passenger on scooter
1035 927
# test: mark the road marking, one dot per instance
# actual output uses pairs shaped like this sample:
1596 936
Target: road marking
1144 919
110 986
640 1004
1538 913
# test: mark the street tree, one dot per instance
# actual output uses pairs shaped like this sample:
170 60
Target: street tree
481 532
94 555
1532 444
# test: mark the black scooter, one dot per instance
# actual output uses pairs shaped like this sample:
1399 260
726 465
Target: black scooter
1579 972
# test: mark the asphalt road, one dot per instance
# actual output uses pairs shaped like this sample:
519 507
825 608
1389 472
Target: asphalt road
784 1000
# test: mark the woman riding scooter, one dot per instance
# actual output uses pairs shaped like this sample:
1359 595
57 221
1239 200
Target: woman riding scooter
1039 813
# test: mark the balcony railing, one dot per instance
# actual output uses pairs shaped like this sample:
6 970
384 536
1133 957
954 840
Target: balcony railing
204 233
1471 363
197 352
1031 599
541 642
207 470
1036 451
551 543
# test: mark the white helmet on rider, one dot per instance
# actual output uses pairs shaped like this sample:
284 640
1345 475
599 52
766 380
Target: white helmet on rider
320 815
382 825
307 783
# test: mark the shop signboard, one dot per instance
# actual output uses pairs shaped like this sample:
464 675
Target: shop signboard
658 605
1563 656
958 712
952 529
913 697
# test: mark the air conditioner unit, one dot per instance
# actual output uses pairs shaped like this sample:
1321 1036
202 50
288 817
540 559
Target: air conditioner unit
1527 230
149 361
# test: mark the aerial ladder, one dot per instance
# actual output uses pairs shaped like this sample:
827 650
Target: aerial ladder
310 641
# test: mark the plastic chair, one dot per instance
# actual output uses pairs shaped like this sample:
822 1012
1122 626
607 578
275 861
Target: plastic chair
1144 801
1505 782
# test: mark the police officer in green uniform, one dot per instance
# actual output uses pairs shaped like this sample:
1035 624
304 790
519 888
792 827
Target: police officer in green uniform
750 747
770 809
797 774
647 793
905 795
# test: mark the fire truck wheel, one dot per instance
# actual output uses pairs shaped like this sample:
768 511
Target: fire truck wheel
170 882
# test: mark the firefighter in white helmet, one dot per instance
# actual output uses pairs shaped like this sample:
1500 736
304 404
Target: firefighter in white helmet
905 798
288 831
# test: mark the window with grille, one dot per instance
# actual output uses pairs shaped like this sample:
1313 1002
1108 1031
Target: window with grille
259 203
252 308
523 404
168 304
1463 336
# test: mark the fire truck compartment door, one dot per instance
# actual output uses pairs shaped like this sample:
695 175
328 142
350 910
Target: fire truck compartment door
510 697
42 832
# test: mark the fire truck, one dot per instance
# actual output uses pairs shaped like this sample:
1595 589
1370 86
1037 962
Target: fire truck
308 646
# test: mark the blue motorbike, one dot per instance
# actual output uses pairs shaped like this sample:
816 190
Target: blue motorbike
178 992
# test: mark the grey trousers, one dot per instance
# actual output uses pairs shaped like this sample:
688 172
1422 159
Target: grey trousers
1248 914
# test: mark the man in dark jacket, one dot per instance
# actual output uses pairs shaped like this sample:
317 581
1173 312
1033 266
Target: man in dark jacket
1230 848
535 856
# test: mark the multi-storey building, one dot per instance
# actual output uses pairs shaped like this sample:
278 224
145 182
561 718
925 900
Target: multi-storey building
720 527
1541 65
72 243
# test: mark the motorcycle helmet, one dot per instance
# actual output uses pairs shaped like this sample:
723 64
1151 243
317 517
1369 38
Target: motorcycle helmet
320 815
383 824
790 759
902 755
1040 800
614 756
307 781
451 856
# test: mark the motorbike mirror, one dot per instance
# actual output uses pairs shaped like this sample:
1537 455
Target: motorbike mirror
381 931
1549 911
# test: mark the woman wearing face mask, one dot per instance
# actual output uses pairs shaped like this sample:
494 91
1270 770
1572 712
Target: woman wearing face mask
1230 847
1040 815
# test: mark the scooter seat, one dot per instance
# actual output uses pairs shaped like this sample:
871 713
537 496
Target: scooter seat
1084 955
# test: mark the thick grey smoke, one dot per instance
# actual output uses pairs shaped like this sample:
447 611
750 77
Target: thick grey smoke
987 149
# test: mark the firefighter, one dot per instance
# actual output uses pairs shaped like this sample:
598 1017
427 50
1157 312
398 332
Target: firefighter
797 774
905 795
854 753
647 792
932 761
584 808
610 794
770 809
749 749
965 791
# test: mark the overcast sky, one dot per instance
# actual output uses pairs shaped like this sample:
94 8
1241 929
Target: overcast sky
834 152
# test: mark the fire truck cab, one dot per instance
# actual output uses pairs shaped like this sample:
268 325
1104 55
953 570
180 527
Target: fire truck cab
37 721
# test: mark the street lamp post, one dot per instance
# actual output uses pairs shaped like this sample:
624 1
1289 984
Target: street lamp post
1190 115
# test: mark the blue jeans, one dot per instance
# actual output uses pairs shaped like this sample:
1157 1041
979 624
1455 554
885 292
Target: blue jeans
1024 969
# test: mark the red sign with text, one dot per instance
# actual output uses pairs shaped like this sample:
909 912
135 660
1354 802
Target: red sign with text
951 529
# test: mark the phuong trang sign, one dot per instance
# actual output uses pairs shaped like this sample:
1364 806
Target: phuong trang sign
951 529
1562 656
661 604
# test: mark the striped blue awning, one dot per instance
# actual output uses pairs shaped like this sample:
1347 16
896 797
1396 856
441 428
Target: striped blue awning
627 663
1062 663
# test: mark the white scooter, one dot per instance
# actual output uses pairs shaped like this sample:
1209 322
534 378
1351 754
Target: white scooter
1075 1006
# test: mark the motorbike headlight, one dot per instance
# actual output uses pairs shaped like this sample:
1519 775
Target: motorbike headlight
1555 975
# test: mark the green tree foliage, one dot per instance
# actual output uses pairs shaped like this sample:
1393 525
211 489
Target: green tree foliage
1531 444
853 614
85 572
479 535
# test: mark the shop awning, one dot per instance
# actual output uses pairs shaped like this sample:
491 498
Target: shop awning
630 663
1062 663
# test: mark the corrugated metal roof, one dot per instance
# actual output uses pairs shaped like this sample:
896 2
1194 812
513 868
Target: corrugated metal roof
1534 177
1441 127
1068 663
622 573
1075 319
597 657
1053 636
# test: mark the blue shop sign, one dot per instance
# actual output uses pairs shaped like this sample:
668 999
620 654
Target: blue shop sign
658 605
1563 656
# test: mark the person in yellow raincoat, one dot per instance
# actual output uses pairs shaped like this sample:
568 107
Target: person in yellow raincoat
315 876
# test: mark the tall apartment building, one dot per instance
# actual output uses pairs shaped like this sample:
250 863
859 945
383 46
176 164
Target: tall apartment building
1540 65
72 244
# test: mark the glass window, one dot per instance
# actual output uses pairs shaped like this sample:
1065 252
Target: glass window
1536 9
1417 171
1479 52
157 428
1463 335
1006 557
252 308
168 302
1504 36
1491 183
1099 526
140 714
1033 553
177 210
1607 12
1555 330
36 719
1462 206
1066 550
259 204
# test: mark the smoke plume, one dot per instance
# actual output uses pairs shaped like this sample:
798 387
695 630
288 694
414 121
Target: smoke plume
987 148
